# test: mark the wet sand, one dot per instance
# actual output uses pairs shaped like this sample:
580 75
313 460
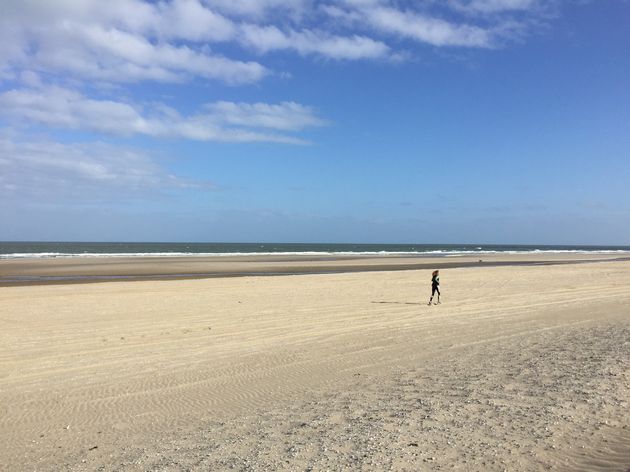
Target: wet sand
98 269
522 367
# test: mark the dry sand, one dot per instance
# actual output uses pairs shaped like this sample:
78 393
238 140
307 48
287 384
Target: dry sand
520 368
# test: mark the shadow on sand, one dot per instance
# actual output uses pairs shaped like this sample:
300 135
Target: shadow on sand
400 303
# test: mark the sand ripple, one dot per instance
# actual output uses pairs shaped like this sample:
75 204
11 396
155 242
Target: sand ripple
521 368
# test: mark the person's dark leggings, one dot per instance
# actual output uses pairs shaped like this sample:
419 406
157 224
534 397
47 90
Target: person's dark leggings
435 288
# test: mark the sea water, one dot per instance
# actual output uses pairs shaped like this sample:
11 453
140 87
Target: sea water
18 250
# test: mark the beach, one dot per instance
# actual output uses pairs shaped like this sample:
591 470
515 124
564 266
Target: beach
315 363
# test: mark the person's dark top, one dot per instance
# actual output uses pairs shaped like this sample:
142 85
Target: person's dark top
435 280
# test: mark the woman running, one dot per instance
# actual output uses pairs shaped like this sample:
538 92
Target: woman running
435 286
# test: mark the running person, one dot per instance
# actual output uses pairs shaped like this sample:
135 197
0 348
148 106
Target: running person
435 286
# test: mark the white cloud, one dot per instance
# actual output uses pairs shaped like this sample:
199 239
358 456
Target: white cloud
270 38
119 41
411 24
426 29
287 116
77 43
494 6
64 108
190 20
124 56
40 168
30 78
221 121
126 41
262 9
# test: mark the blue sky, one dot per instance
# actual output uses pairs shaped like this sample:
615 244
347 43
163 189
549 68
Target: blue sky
454 121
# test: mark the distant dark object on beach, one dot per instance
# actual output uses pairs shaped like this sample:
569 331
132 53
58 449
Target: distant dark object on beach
480 260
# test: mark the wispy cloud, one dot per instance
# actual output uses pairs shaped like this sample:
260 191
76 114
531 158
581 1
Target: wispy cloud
221 121
121 42
32 167
434 31
305 42
260 10
425 25
126 41
287 116
115 48
494 6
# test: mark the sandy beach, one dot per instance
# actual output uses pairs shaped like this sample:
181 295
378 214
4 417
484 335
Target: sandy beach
95 269
332 365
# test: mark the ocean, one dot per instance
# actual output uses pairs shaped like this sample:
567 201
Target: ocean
25 250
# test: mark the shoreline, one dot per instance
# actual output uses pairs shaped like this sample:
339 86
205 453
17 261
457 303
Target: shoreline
55 271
